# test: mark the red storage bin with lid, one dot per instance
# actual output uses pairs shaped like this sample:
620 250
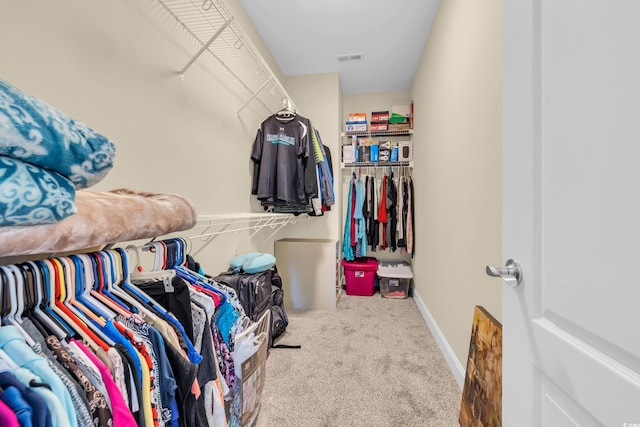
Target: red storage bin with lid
360 275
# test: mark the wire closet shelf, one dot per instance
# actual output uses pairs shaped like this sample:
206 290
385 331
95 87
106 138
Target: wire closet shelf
214 28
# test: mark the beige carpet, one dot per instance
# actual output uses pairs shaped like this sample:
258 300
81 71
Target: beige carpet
372 362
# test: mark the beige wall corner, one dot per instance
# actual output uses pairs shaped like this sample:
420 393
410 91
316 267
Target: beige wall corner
458 164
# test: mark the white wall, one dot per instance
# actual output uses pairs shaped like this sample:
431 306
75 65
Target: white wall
458 163
114 66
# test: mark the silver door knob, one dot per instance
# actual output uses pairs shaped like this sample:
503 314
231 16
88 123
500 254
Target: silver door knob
511 273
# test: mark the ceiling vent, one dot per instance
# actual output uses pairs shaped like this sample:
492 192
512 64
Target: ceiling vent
351 57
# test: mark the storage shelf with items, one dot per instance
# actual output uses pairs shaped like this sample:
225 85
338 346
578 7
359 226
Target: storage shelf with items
369 133
379 197
384 141
367 149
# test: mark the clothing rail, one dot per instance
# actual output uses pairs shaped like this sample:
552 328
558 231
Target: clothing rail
216 31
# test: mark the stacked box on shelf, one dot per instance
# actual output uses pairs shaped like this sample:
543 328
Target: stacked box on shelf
379 121
356 122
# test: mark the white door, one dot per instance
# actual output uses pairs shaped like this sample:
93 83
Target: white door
571 135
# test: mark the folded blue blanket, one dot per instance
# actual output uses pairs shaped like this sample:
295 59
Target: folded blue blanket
33 131
30 195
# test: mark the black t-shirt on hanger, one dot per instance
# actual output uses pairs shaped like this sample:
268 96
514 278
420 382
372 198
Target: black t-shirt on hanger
279 154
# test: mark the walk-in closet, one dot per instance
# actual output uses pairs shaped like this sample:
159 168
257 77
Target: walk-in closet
164 164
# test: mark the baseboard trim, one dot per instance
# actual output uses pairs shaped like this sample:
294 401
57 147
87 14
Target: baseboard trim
445 348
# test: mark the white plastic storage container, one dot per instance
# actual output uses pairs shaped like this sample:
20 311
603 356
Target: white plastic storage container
395 278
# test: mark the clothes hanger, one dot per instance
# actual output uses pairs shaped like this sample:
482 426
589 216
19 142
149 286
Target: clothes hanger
115 304
193 355
52 326
159 271
59 295
9 303
65 289
117 277
48 302
103 286
74 282
84 284
19 287
29 287
15 287
287 113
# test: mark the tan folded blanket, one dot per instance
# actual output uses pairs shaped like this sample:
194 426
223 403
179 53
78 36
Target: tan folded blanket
102 218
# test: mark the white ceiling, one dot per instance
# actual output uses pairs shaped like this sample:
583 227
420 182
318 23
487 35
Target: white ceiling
306 37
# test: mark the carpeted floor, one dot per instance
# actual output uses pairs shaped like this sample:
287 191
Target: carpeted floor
372 362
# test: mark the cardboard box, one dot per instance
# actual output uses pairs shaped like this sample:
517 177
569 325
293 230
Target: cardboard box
364 153
380 116
379 127
373 152
357 117
356 126
348 154
399 126
394 154
405 151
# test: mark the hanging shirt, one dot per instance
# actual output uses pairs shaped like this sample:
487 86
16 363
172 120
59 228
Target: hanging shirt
382 214
121 414
13 343
101 414
399 207
361 235
392 213
347 250
7 416
78 398
410 220
40 416
12 398
279 154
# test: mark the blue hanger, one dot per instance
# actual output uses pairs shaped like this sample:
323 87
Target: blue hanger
80 290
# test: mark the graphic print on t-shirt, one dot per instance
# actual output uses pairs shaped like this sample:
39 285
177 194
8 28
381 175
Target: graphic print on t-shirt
281 138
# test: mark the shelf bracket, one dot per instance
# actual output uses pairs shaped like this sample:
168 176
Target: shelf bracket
254 96
279 227
205 46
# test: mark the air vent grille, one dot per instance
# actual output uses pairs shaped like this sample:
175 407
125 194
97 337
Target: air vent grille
351 57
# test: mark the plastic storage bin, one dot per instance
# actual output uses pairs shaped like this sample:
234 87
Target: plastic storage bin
360 275
395 278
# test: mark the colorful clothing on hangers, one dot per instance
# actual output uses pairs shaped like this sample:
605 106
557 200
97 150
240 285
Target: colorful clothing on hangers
13 343
100 412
